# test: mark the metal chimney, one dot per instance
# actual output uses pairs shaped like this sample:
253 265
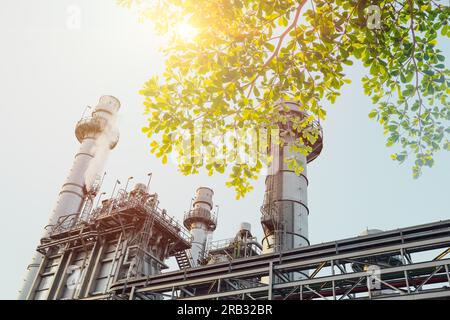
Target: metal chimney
285 209
200 222
93 133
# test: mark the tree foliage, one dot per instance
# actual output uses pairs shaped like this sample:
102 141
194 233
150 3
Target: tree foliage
246 55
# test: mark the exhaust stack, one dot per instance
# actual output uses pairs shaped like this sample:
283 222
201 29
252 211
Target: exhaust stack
201 223
285 209
97 135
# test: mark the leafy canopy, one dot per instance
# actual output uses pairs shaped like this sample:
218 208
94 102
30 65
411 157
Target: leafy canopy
242 56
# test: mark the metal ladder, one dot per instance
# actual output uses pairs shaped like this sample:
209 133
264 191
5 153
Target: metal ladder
274 212
142 242
87 208
90 197
208 241
183 259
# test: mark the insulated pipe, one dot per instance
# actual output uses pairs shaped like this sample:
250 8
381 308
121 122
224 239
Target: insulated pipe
93 134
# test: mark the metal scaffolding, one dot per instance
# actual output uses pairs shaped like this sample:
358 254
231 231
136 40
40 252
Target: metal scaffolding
128 237
423 273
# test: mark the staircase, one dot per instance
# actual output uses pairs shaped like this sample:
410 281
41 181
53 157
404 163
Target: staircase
183 259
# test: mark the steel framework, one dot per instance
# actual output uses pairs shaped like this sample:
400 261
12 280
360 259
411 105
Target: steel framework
127 237
422 274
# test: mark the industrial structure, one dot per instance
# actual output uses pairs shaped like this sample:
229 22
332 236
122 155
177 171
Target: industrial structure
117 249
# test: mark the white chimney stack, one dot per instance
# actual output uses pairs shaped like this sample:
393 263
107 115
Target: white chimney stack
97 135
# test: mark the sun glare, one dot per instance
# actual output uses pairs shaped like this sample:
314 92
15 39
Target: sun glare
185 31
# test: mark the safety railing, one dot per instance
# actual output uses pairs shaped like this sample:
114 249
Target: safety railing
202 213
123 202
64 223
146 206
226 243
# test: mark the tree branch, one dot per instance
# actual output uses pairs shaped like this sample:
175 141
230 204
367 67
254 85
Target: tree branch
413 34
285 33
278 47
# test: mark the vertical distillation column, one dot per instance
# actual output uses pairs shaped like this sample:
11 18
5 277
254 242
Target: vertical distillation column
285 209
97 135
200 222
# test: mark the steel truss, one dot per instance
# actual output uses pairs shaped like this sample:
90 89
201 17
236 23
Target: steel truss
129 237
329 266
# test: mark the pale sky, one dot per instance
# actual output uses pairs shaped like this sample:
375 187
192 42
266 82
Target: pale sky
49 73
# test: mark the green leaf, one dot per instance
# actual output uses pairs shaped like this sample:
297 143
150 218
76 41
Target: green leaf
373 113
269 46
283 21
229 76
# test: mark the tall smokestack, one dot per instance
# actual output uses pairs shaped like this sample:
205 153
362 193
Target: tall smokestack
97 135
200 222
285 209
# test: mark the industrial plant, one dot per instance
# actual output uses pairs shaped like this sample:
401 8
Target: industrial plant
99 248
